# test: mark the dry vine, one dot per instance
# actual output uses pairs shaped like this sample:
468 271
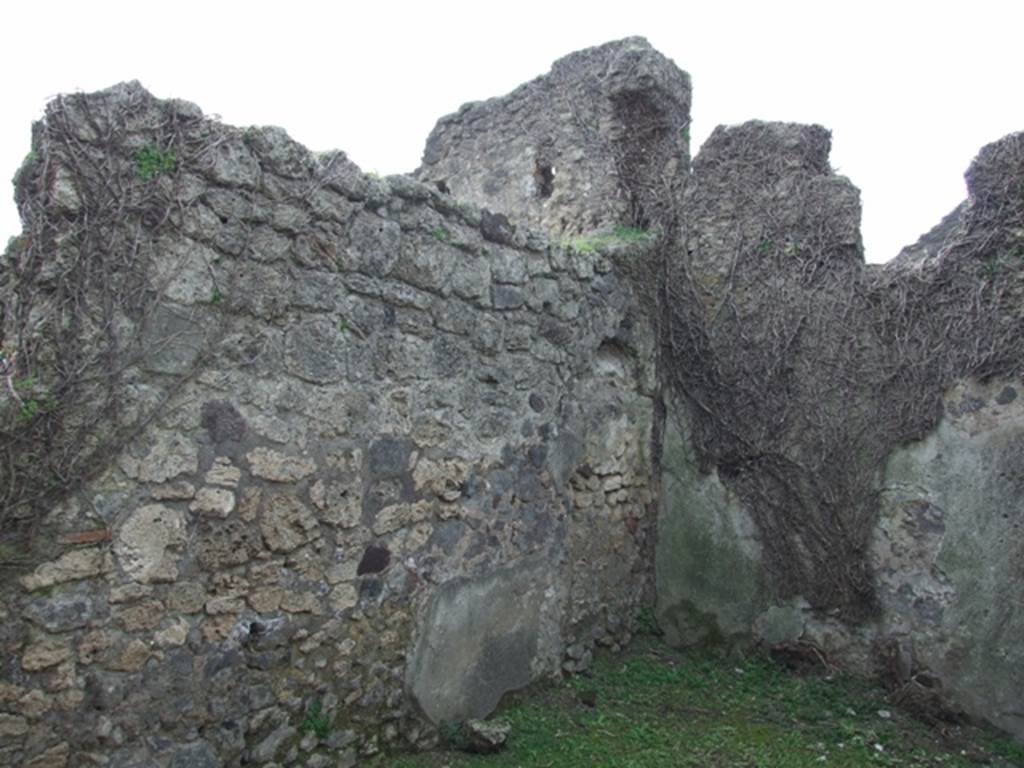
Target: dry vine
801 369
80 287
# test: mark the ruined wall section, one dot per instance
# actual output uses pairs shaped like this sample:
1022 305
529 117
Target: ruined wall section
847 444
767 345
601 141
948 552
357 449
791 371
359 416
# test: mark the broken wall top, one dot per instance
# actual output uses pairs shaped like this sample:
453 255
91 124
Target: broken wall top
595 143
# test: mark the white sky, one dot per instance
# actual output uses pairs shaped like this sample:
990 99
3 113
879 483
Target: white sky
910 90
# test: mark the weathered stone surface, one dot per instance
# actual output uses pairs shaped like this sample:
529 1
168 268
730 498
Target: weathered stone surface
223 423
279 467
954 501
340 504
265 600
400 516
172 455
506 297
486 737
482 638
71 566
249 503
569 151
318 351
225 543
224 604
444 478
131 658
175 491
343 597
302 602
64 193
188 597
35 704
213 501
217 629
95 646
44 654
198 754
782 624
173 342
224 473
141 616
62 613
174 635
146 541
55 757
708 558
388 457
344 571
233 164
287 523
184 274
272 745
12 725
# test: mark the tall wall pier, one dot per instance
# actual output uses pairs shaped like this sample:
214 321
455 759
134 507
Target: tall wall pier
841 466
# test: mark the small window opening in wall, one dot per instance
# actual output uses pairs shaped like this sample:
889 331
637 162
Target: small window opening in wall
544 177
612 359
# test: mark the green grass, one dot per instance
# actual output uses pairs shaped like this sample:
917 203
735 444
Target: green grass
33 402
653 707
25 164
316 721
1008 750
618 236
151 162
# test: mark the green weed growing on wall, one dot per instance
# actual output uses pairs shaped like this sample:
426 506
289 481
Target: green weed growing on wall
150 162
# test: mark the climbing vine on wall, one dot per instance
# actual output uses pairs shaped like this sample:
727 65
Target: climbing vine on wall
80 289
800 370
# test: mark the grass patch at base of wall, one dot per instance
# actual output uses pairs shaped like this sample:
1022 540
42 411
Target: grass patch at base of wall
655 707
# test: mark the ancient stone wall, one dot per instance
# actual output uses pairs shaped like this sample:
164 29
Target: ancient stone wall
599 142
949 549
841 470
797 379
945 553
296 463
372 446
